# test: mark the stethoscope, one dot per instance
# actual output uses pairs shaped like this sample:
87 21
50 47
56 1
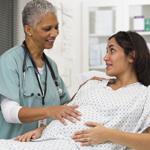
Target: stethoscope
34 67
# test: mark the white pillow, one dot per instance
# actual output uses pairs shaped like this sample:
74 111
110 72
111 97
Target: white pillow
88 75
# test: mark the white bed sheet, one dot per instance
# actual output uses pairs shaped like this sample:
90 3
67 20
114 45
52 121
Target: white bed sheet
43 145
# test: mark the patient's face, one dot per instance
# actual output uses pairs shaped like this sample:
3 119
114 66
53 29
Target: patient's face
117 63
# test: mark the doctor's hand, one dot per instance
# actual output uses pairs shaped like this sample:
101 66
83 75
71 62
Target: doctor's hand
93 78
35 134
96 134
64 111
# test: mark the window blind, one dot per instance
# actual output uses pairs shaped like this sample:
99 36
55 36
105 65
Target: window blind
8 24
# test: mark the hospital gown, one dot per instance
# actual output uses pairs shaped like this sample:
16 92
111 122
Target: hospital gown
126 109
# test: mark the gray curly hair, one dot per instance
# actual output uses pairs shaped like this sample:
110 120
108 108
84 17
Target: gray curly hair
35 10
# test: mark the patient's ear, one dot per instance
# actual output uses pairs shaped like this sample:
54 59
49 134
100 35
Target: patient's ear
131 56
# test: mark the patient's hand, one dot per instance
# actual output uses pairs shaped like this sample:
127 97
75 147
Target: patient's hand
95 135
35 134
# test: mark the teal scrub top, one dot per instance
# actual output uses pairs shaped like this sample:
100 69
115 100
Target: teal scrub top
11 82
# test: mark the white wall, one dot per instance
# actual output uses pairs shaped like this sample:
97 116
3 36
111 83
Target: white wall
75 64
22 3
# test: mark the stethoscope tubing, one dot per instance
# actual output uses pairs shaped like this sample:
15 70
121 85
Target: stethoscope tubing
34 64
37 73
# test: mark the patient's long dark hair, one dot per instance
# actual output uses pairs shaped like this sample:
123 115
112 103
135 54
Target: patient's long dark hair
133 41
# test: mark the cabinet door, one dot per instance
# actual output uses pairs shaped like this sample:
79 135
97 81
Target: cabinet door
133 8
91 34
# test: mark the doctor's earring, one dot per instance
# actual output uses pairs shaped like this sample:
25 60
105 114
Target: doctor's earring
30 34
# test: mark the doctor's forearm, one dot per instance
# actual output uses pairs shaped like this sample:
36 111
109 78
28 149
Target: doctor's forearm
27 115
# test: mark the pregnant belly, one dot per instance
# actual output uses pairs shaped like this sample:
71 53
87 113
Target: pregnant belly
56 130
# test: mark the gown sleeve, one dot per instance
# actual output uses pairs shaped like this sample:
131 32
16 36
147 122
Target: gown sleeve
145 117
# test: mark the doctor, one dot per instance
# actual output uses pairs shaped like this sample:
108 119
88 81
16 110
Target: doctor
31 90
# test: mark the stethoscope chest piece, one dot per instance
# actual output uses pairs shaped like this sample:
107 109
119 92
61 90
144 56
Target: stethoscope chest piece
60 92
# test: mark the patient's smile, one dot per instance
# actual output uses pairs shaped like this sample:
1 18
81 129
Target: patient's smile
108 65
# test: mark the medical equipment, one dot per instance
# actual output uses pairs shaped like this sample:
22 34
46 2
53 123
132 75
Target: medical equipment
34 67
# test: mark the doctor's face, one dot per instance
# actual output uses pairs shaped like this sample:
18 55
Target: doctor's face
46 31
117 63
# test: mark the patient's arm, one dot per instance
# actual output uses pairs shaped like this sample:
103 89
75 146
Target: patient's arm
100 134
133 140
35 134
93 78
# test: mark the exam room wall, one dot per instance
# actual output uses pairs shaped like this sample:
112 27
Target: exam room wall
63 64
